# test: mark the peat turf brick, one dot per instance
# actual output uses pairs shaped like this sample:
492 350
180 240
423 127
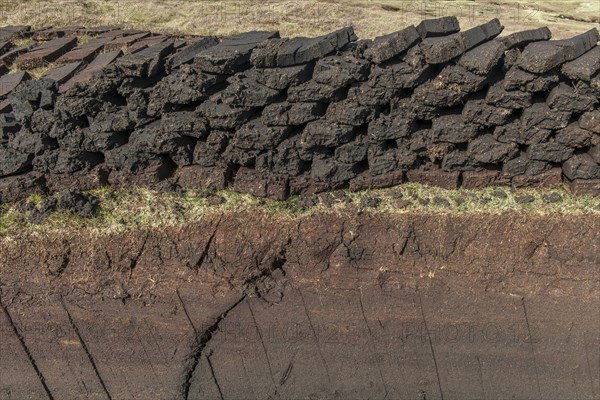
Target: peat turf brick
564 98
319 47
55 33
117 33
99 30
254 135
152 138
14 161
327 170
435 94
15 188
99 63
5 46
288 52
435 177
514 99
352 152
382 160
207 153
481 179
258 184
399 75
188 53
117 120
456 160
441 49
46 53
511 57
349 112
584 67
224 116
449 88
465 80
325 134
281 78
517 79
386 47
183 86
8 57
549 151
594 152
370 96
146 63
5 106
482 33
85 52
185 123
581 166
479 112
590 121
64 72
124 41
245 92
591 88
232 54
390 127
514 132
574 136
523 38
281 114
147 172
540 57
283 160
150 41
549 178
312 91
452 128
365 180
483 58
196 177
10 33
340 71
486 150
9 82
588 187
539 115
523 165
438 27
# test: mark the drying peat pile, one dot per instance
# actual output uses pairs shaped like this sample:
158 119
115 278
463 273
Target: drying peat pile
276 117
251 303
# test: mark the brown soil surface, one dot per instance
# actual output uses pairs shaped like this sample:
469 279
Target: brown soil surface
239 305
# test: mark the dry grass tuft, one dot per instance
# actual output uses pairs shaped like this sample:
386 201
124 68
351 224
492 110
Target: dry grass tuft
298 17
144 208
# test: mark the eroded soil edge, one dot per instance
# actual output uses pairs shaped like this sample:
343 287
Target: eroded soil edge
245 305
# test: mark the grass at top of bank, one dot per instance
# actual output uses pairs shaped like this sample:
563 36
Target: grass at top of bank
298 17
147 209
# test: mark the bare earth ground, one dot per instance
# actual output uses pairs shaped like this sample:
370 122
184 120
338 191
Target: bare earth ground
298 17
251 305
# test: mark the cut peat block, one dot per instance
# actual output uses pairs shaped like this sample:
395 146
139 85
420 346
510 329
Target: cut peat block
98 64
46 53
540 57
64 72
9 82
85 52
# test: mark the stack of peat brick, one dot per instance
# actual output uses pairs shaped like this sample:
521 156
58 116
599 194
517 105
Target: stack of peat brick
277 117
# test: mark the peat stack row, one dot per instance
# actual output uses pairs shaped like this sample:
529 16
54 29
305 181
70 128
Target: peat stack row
276 117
